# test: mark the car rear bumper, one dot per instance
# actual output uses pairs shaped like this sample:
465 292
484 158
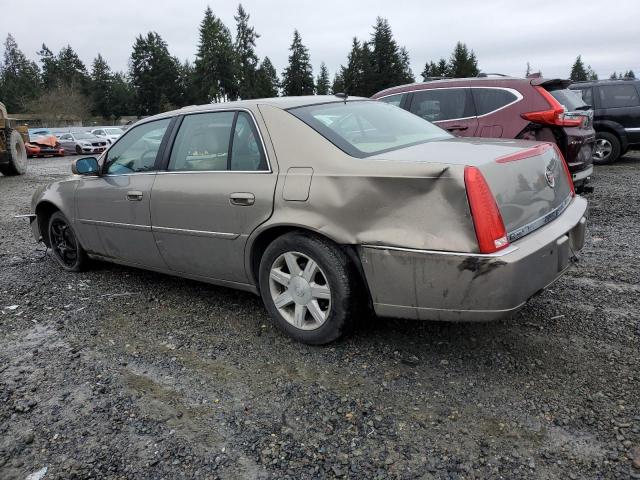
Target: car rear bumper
453 286
583 176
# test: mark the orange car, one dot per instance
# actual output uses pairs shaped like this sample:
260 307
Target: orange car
43 143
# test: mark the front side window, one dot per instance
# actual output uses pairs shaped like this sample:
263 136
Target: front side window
441 104
137 150
365 128
202 142
393 99
616 96
489 100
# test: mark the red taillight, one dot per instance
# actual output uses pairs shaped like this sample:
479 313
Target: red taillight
490 231
566 169
554 116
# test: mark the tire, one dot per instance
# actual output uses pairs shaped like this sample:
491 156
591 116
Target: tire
607 148
70 256
78 150
334 286
17 154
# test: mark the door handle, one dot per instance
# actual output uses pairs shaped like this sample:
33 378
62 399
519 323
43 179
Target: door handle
243 199
457 127
134 196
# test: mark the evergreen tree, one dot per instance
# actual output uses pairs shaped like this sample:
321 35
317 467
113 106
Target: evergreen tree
630 75
430 70
613 76
70 69
338 84
267 84
591 74
216 63
322 82
49 67
297 78
463 63
101 83
154 75
443 69
186 75
247 59
357 75
19 78
123 96
578 72
389 62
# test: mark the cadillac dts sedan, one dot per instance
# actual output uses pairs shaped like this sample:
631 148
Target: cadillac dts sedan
326 207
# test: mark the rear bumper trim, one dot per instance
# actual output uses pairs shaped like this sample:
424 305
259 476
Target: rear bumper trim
587 172
540 222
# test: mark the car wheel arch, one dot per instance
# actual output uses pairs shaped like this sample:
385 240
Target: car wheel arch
264 238
614 129
43 212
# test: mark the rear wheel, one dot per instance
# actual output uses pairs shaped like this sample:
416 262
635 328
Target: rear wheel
64 244
78 150
310 288
17 154
606 149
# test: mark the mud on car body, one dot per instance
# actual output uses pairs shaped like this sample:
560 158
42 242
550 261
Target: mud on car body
323 206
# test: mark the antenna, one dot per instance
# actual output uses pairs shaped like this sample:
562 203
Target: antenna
344 96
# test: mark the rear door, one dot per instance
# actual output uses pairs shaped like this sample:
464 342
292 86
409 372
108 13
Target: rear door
449 108
218 187
621 104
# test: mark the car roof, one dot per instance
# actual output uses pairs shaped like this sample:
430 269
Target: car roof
502 81
283 103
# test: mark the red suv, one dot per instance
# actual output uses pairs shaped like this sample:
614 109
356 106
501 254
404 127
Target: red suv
523 108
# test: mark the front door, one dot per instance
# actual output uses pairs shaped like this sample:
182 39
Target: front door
112 210
449 108
217 189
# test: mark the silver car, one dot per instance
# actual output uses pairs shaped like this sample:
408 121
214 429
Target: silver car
111 134
326 207
82 143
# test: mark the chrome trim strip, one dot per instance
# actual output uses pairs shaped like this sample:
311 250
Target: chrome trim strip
511 90
102 223
634 129
196 233
30 216
539 222
501 253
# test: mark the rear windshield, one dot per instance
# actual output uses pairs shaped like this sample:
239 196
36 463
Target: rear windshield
569 99
365 128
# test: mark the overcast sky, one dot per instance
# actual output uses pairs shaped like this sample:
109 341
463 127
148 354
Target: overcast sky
504 34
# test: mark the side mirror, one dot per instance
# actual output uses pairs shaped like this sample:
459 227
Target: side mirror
85 166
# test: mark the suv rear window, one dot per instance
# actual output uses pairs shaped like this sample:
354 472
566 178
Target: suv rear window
615 96
569 99
365 128
491 99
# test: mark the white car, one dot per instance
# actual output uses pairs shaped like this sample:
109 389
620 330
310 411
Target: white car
110 133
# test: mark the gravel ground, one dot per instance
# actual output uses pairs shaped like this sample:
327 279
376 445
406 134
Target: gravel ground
121 373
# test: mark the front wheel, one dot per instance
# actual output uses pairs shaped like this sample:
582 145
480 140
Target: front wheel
310 288
65 245
78 150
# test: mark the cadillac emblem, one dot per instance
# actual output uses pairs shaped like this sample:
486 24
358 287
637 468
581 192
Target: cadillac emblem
548 174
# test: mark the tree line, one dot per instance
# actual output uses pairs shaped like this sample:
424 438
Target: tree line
226 67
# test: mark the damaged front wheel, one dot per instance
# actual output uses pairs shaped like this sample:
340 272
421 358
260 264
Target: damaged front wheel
64 244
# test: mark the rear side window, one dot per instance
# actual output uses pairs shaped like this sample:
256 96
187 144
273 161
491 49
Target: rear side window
393 99
615 96
488 100
586 94
569 99
441 104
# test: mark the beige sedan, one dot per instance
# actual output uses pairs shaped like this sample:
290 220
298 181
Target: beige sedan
327 207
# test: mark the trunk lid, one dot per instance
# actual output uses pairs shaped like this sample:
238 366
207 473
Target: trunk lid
527 179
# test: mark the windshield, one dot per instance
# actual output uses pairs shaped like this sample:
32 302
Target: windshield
569 99
83 136
364 128
114 131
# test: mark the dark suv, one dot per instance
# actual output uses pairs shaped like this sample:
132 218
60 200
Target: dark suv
616 117
523 108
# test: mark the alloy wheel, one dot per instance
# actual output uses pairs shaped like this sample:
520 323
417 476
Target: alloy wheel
63 242
300 290
602 150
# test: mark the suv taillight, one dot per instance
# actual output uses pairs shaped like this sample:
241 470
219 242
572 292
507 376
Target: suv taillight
487 221
566 169
556 115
